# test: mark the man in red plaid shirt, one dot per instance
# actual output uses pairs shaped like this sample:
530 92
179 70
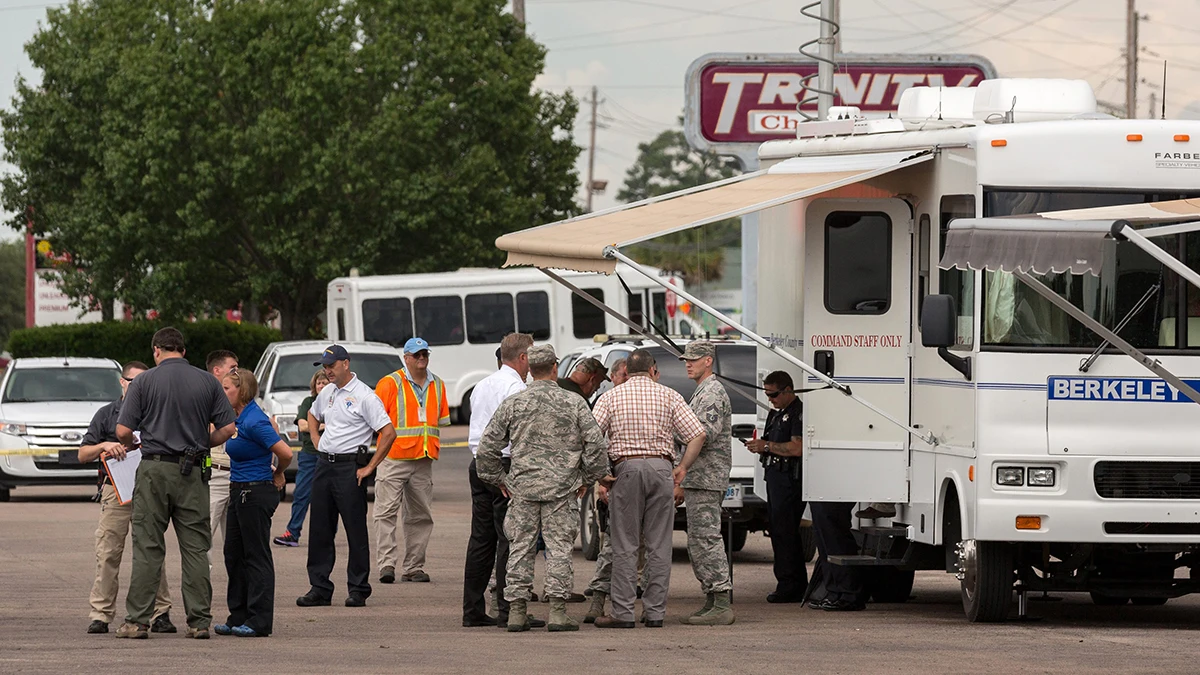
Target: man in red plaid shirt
642 419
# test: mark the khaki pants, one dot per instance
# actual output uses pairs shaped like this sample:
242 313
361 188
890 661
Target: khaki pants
643 505
218 506
110 546
163 497
408 483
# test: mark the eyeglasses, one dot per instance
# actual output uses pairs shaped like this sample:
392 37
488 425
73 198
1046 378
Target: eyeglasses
773 394
423 354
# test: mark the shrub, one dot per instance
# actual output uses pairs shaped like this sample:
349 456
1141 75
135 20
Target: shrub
125 341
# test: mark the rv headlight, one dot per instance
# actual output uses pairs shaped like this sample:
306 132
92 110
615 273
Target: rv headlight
1010 475
1042 476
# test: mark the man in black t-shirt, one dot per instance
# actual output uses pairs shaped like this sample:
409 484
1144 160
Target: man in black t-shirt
780 449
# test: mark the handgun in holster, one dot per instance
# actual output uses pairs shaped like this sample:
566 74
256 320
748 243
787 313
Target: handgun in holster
362 457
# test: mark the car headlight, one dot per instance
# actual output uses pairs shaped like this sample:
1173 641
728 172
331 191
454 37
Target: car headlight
287 427
1010 475
1041 476
12 428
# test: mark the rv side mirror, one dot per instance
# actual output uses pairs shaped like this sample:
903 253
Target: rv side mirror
938 317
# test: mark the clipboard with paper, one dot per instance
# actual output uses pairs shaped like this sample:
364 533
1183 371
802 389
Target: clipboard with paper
123 472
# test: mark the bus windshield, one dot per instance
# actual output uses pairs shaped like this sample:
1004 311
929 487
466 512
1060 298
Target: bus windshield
1014 315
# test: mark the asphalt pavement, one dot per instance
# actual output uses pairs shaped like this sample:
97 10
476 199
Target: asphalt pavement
47 565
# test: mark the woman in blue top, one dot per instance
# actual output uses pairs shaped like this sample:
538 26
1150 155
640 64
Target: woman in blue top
254 495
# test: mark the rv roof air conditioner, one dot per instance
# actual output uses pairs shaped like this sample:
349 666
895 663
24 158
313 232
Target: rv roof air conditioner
937 107
1032 100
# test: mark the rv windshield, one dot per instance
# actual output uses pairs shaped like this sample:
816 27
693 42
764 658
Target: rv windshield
1015 316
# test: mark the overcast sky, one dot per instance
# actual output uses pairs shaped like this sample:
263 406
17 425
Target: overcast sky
637 51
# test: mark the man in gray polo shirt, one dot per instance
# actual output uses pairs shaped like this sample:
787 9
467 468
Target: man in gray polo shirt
172 405
352 415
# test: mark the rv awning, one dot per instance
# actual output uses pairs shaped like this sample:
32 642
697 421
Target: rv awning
1078 240
579 243
1034 245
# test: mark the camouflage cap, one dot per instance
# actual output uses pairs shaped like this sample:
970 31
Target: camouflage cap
698 349
592 366
541 355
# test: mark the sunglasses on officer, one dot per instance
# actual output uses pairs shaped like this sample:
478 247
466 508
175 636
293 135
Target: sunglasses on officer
773 394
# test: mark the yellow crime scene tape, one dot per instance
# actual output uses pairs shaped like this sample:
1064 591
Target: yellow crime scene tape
31 451
42 452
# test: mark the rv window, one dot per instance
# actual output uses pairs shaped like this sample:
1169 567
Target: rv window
439 319
341 324
1016 317
858 263
384 320
489 317
533 314
955 282
588 319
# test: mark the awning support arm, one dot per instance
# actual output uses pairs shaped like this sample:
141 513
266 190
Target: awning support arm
1123 230
1098 328
612 252
671 348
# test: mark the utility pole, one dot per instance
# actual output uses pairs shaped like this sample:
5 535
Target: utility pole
1131 56
519 12
592 151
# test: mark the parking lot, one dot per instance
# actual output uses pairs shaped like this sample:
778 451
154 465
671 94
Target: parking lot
47 563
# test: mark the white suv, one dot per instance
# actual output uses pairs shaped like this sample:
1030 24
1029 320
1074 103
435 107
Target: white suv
286 368
46 405
735 359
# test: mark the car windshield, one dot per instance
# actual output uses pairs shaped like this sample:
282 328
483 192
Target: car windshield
41 385
734 361
294 372
1133 288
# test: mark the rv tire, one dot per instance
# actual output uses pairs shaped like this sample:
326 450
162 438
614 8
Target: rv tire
986 573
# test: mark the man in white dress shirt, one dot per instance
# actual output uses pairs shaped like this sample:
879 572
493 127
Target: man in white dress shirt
487 549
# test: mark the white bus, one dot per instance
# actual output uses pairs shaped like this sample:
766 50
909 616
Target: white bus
972 279
464 314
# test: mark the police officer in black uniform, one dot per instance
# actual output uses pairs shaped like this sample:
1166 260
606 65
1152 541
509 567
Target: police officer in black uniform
779 450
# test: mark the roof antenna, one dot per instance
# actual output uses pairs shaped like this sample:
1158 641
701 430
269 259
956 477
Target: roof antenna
1011 115
939 104
1164 90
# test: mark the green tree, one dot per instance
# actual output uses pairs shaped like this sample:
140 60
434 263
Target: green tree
12 289
193 154
668 164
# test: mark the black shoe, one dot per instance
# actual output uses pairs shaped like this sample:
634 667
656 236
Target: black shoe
844 606
311 599
609 622
535 623
780 598
97 626
163 624
639 592
356 600
532 622
819 604
653 623
476 623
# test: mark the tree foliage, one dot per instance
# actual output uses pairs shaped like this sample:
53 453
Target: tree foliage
668 164
193 154
12 289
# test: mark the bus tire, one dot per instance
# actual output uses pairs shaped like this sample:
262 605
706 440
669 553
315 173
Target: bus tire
986 574
589 526
464 410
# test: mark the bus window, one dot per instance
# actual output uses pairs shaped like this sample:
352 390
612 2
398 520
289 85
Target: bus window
341 324
439 319
635 310
588 319
489 317
533 314
384 320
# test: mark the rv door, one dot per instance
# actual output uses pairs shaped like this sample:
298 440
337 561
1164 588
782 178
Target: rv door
857 329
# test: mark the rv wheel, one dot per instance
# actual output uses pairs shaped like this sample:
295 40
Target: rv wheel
985 569
589 525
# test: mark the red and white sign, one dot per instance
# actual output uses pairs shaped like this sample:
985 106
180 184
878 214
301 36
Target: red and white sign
672 300
749 99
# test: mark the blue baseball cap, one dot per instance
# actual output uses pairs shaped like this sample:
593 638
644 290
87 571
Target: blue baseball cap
415 345
331 354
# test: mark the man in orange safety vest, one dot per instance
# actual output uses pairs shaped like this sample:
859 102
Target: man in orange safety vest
415 400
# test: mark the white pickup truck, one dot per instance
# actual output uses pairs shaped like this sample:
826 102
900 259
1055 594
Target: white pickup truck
46 405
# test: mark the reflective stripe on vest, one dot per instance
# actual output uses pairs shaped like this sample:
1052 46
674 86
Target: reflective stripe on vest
416 439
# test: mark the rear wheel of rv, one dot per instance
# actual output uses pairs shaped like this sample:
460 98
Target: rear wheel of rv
986 573
589 526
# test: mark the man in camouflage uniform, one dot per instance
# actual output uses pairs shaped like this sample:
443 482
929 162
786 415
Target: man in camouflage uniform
704 488
557 448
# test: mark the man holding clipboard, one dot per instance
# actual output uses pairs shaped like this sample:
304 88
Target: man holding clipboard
100 442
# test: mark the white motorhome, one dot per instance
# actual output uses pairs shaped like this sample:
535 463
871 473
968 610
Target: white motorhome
464 314
972 279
